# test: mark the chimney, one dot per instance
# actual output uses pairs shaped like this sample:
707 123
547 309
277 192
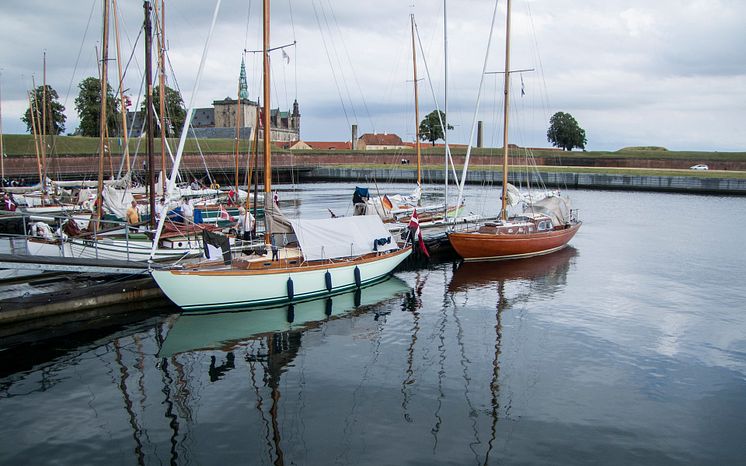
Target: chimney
480 131
354 137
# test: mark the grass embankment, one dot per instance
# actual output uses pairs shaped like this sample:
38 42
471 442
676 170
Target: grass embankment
61 146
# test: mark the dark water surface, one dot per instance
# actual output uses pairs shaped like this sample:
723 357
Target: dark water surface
627 348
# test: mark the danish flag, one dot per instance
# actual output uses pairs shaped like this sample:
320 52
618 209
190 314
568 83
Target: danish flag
414 226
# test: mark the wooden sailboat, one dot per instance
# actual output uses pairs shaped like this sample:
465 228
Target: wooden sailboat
319 257
546 225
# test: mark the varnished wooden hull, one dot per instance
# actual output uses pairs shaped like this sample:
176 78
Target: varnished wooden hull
476 246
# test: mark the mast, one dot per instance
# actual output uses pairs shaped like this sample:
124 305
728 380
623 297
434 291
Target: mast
121 88
2 154
103 114
34 106
162 89
416 109
149 108
506 107
44 130
445 109
267 128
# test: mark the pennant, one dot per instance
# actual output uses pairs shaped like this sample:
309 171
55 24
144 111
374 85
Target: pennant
414 226
285 56
523 88
225 215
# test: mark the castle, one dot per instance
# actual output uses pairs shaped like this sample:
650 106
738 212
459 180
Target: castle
219 121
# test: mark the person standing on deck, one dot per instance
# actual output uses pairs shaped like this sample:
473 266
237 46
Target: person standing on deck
187 211
245 224
132 214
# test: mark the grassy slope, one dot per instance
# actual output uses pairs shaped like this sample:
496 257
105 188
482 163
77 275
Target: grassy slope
23 145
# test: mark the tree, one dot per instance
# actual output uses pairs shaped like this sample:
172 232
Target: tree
88 106
55 117
431 128
565 132
175 111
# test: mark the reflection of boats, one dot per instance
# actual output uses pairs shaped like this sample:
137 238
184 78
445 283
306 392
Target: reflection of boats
219 330
473 275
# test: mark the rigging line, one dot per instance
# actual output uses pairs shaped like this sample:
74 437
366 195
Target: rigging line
334 75
248 17
339 62
476 109
354 75
80 51
435 100
295 62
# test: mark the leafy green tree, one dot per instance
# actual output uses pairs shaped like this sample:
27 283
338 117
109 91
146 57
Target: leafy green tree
565 132
431 128
175 111
88 106
55 117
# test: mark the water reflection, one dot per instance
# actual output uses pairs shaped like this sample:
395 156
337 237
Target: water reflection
191 331
544 276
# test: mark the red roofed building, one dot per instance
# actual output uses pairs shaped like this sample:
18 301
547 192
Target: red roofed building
380 141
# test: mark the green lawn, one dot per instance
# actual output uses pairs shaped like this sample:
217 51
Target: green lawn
23 145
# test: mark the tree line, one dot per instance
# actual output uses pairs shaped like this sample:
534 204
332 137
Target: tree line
564 131
88 109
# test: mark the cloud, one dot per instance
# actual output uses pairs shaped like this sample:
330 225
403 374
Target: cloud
664 72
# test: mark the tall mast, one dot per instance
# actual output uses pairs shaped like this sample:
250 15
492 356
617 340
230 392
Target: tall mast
416 109
149 107
162 88
2 154
44 130
103 113
121 89
506 107
445 109
267 128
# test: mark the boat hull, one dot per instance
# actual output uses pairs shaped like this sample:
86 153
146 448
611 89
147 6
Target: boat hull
236 288
476 246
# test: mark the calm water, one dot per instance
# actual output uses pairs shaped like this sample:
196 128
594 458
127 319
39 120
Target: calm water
628 348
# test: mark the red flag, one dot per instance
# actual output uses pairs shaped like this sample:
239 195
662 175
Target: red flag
414 224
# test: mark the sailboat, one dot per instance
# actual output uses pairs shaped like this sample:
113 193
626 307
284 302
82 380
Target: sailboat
303 259
546 225
400 207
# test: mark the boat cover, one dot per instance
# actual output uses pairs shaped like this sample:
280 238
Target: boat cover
332 238
556 207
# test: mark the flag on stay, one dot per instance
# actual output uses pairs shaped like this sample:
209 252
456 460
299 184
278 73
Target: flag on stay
414 227
224 215
523 87
285 56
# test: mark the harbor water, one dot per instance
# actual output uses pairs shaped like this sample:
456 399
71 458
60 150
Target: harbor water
628 347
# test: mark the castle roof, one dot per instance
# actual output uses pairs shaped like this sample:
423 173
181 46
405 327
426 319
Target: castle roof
381 139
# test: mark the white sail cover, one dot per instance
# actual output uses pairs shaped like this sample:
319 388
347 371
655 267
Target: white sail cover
332 238
556 207
116 201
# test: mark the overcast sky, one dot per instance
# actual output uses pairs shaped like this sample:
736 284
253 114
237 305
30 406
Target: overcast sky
632 72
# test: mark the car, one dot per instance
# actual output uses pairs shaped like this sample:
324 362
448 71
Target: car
700 166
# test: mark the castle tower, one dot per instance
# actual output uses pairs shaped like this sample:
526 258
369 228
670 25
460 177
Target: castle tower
295 118
243 87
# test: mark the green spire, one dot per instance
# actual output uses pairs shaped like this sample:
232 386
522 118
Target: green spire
243 88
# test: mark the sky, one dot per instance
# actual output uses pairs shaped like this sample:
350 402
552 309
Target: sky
631 72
